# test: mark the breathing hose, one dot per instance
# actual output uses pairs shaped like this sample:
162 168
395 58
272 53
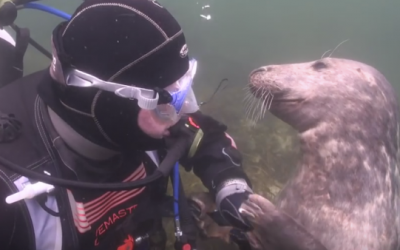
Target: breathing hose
174 154
48 9
185 227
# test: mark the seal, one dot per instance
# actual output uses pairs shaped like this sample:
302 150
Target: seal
271 227
345 190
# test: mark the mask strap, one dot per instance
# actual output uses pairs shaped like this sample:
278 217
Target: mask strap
60 59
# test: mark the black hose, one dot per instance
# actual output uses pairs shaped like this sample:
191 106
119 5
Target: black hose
78 184
175 152
215 91
176 148
34 43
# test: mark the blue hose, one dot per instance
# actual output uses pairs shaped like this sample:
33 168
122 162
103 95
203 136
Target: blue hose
48 9
176 191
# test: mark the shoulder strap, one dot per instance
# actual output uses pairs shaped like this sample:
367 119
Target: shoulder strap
21 45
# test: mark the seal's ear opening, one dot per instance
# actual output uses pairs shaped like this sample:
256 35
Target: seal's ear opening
318 65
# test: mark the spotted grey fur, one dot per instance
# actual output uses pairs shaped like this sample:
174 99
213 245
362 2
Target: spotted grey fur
345 190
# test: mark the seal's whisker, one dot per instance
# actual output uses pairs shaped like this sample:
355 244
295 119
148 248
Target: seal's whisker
262 111
325 53
250 104
258 90
337 47
260 104
253 101
263 105
249 109
257 112
256 108
249 98
266 102
270 102
249 113
265 98
254 111
252 108
246 88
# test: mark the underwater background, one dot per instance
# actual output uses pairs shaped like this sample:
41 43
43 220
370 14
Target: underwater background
243 35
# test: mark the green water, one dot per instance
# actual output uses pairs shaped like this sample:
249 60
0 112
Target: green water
243 35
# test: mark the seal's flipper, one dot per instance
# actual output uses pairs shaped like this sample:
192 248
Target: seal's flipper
205 206
274 229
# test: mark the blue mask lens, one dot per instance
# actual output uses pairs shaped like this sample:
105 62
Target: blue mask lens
184 84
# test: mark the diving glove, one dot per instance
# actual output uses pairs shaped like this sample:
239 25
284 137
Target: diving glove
229 197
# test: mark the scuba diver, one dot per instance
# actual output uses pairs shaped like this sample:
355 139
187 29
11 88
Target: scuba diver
114 110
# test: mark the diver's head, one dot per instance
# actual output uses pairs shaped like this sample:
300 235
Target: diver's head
136 53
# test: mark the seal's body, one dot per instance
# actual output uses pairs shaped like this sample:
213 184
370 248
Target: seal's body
345 191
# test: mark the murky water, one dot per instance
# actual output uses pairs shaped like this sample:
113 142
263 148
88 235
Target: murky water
242 35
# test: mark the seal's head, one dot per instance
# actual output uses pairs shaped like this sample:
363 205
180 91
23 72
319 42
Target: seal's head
347 184
329 90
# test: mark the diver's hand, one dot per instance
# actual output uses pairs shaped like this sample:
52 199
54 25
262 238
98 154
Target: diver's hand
230 196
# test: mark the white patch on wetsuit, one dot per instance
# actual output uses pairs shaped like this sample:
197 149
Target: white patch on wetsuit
47 228
7 37
154 157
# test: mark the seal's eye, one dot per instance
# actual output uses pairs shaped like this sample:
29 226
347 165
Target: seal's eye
319 65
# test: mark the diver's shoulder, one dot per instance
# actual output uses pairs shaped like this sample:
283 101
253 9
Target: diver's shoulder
20 139
17 100
22 88
20 95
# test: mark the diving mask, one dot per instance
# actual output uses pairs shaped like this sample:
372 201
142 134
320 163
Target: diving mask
183 98
169 103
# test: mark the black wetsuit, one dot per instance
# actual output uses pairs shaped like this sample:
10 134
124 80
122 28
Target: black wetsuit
87 219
